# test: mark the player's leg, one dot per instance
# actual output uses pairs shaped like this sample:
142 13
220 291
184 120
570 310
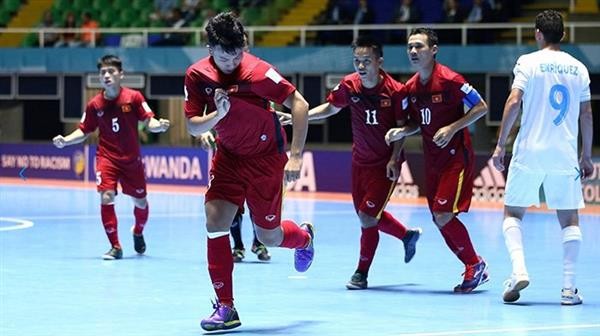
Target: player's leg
521 191
133 182
264 199
219 215
238 251
106 184
564 194
258 248
452 196
223 199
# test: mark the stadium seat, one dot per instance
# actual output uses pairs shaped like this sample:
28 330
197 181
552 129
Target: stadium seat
11 6
30 41
101 4
220 5
4 17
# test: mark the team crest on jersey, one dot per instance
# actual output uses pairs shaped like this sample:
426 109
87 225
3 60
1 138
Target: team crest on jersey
437 98
126 108
208 91
385 102
355 99
99 113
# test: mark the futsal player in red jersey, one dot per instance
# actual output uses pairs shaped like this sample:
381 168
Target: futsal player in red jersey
230 91
116 112
375 100
437 97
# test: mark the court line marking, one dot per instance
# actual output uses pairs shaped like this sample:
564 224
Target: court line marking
21 224
505 330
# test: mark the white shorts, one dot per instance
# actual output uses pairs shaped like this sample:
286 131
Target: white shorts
561 191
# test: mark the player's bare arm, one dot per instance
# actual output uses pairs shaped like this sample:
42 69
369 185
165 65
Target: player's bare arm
587 133
406 128
443 135
157 126
299 108
77 136
509 117
197 125
323 111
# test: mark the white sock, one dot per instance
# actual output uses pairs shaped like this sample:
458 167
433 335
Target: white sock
511 228
215 235
571 239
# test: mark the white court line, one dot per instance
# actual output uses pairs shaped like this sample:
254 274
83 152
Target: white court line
505 330
21 224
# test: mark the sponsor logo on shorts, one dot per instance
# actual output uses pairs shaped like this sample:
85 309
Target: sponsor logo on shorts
442 201
139 191
218 285
370 204
263 137
489 185
270 218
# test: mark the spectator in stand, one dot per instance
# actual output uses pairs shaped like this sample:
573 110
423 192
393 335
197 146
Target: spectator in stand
407 12
176 21
88 38
479 13
50 38
191 8
364 14
163 10
69 39
453 14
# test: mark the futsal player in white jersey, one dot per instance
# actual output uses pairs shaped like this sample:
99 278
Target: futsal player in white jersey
554 89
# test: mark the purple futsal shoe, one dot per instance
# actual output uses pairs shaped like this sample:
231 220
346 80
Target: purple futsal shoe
223 318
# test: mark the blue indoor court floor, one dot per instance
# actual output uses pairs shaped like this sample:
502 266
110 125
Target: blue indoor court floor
54 282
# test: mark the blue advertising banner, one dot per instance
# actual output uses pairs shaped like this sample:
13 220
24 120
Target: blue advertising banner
42 161
169 165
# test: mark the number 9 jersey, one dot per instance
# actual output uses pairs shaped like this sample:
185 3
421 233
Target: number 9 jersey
553 84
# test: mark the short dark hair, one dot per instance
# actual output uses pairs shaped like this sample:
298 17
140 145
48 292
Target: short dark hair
550 23
227 31
432 38
366 41
110 60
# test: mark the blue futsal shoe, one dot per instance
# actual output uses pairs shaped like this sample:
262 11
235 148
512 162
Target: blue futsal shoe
303 257
410 243
475 275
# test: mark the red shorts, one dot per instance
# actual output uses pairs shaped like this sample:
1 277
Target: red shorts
371 189
450 189
258 181
131 175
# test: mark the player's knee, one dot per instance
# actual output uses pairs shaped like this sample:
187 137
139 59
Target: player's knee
442 218
510 223
107 197
571 233
141 203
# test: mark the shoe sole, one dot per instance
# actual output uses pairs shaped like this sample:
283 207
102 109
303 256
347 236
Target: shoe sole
513 294
569 303
485 278
351 286
223 326
413 243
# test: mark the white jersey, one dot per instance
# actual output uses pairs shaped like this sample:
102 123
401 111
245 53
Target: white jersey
554 84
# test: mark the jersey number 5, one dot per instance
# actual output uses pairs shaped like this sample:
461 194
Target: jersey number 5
371 117
115 125
559 100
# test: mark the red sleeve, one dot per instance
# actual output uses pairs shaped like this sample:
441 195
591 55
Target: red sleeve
89 120
195 101
142 110
339 95
268 83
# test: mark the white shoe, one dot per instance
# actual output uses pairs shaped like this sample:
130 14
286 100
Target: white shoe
570 297
513 286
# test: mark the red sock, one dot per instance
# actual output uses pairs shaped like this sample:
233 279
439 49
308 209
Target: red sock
456 232
220 268
141 217
293 236
369 239
109 220
390 225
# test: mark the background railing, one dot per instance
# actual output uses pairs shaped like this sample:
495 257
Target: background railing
513 33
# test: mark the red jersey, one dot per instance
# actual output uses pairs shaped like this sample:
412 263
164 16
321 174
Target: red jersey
439 103
373 112
251 127
117 120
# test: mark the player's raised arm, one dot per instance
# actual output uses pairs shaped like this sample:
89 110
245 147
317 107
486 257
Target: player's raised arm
77 136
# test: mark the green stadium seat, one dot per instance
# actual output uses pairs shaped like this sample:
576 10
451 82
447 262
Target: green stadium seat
11 6
141 4
101 5
220 5
80 5
4 17
30 41
128 16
